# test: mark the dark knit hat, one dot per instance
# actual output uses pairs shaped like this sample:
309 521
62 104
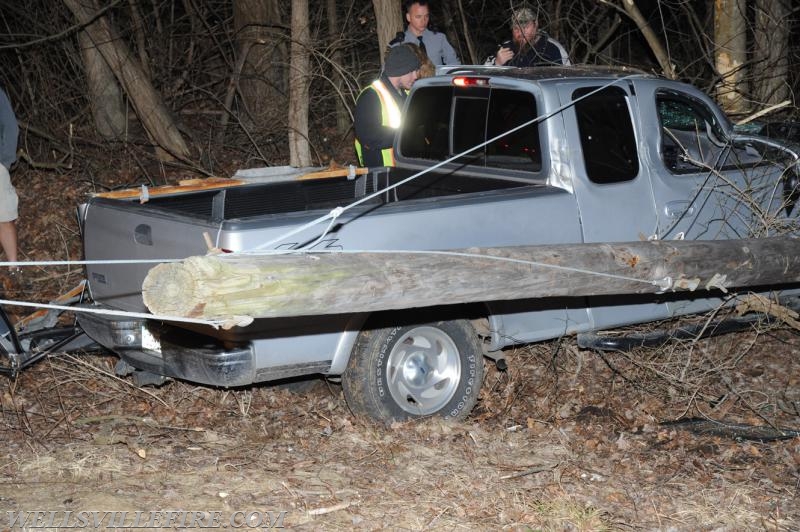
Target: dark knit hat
400 61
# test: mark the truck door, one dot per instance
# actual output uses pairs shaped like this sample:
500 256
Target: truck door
611 185
707 184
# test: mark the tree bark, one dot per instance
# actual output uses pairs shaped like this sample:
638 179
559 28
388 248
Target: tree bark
147 103
473 55
343 120
141 42
770 72
105 97
389 20
216 287
299 85
730 39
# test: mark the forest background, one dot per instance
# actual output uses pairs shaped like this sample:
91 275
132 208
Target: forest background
210 86
127 92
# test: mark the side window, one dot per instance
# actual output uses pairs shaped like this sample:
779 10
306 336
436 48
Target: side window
607 138
443 121
691 138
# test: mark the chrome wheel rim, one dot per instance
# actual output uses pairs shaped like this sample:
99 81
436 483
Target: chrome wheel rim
423 370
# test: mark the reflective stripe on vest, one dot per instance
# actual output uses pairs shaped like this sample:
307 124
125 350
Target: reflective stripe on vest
390 117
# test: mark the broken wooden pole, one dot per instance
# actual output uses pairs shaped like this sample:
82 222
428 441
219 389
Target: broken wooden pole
262 286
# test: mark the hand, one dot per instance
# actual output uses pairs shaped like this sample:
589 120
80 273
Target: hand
503 56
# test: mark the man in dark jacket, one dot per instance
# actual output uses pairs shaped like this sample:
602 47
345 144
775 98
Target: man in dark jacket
377 115
529 47
9 130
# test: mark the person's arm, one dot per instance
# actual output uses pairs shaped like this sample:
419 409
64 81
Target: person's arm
562 52
554 53
368 122
449 56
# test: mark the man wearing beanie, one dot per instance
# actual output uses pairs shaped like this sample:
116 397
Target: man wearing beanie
377 115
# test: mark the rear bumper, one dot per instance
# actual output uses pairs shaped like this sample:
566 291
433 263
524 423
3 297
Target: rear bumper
171 351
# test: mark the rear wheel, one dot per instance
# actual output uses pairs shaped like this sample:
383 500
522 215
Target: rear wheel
432 369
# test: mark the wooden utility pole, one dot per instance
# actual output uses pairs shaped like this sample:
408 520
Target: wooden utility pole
219 287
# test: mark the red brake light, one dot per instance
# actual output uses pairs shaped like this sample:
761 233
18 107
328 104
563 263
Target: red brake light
469 81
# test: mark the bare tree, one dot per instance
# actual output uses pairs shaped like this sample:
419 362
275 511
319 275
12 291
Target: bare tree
630 9
261 58
467 37
337 60
147 103
299 85
389 21
770 70
730 54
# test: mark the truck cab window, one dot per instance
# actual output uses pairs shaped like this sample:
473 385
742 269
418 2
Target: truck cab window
520 150
426 128
442 122
691 138
608 141
694 141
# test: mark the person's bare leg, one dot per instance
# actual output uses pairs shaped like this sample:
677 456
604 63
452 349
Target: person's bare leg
8 240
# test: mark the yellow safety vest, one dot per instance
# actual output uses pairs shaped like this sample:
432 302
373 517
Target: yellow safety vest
390 117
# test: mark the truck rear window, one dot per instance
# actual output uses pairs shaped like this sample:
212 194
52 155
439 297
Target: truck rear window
442 122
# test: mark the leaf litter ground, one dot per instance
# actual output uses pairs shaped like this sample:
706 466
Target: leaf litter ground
565 439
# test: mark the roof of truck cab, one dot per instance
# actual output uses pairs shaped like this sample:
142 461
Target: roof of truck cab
544 72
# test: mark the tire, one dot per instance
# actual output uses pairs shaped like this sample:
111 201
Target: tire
414 371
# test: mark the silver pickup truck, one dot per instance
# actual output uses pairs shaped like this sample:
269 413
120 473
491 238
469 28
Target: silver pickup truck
535 156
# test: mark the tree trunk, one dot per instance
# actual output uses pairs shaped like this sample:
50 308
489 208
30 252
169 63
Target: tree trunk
389 21
652 39
216 287
770 72
141 42
263 80
730 40
147 103
105 97
473 54
299 85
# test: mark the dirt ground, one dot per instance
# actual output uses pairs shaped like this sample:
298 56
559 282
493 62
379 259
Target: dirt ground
565 439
